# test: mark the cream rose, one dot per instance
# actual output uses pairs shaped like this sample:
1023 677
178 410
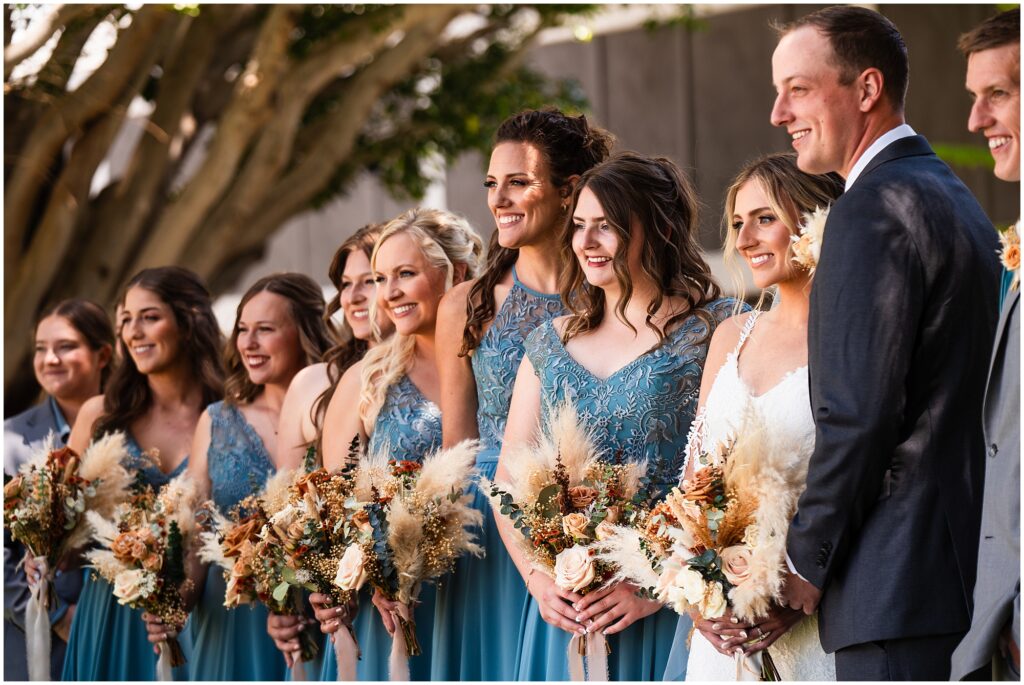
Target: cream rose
574 568
692 584
667 580
132 585
351 572
736 564
714 604
604 530
575 526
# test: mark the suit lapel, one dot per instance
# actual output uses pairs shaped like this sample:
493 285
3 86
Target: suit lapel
912 146
1012 302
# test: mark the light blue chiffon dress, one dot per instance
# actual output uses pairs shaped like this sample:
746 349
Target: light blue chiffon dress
642 411
477 628
108 640
232 644
408 428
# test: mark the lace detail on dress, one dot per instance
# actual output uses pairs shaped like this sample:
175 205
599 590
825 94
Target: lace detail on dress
408 426
496 359
237 460
643 410
138 461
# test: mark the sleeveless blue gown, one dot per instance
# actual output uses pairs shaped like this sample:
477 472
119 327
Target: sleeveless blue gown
477 629
643 410
232 644
108 640
408 427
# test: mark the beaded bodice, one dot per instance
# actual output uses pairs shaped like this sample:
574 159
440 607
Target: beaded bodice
237 461
643 410
497 357
408 426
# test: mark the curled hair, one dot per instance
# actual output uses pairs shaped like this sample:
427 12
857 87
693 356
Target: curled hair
570 146
128 395
790 192
862 39
446 240
995 32
348 349
91 321
306 308
655 194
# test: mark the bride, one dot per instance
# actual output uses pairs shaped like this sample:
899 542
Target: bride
759 358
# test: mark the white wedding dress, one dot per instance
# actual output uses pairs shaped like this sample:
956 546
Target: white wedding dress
786 409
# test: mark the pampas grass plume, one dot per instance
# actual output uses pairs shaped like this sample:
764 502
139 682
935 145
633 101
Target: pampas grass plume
622 549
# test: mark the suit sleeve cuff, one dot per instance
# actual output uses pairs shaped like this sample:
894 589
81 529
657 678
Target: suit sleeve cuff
792 569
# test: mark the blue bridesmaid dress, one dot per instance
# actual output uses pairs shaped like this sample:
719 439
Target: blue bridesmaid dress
232 644
408 428
108 640
477 628
642 411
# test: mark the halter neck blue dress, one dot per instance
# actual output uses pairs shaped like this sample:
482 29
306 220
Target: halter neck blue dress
642 411
477 628
108 640
409 428
232 644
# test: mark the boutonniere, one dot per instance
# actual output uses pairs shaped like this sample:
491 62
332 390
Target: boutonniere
807 244
1009 253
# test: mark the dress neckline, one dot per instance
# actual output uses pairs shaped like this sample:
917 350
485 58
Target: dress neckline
139 452
516 283
734 357
253 436
622 369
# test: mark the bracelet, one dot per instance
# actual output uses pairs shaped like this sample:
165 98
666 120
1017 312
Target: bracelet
528 578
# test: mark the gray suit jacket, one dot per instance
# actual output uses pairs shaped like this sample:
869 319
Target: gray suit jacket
23 435
997 590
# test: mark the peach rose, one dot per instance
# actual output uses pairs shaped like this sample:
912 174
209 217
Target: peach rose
575 526
604 530
736 564
582 496
351 573
574 568
612 514
361 520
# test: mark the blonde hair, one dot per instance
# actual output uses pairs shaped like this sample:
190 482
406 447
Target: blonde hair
446 240
790 193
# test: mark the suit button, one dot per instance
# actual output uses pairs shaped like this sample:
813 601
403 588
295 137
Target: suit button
821 563
993 450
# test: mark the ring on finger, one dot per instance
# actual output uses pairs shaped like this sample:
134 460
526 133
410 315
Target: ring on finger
760 633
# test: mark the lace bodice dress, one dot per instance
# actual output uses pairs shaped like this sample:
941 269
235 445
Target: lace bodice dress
408 425
786 409
642 411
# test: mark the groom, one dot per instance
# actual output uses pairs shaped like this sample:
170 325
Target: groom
901 323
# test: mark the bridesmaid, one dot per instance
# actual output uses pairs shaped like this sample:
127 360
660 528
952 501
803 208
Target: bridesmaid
301 422
642 308
482 325
279 329
390 397
170 372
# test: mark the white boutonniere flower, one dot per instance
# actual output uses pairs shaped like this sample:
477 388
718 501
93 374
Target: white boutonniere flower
807 244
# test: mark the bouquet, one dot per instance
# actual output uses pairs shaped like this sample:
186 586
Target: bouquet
251 549
44 507
415 527
718 543
564 499
142 553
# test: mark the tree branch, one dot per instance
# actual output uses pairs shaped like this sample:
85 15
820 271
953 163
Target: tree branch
39 32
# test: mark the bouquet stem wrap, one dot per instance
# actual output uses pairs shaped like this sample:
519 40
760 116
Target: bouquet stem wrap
299 668
347 651
37 625
588 658
748 668
404 645
170 656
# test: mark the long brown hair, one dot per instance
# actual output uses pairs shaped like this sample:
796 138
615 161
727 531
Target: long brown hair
348 349
128 395
89 319
656 193
570 146
306 306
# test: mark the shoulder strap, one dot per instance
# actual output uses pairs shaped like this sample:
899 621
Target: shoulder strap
747 328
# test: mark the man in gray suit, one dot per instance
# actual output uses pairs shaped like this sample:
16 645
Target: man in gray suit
993 80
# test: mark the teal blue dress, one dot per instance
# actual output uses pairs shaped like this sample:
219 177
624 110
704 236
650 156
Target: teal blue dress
477 628
642 411
408 427
108 640
232 644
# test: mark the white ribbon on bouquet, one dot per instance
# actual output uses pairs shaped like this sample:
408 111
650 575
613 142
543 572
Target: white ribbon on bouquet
588 658
37 624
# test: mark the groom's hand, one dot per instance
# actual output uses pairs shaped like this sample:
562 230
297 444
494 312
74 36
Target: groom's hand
799 594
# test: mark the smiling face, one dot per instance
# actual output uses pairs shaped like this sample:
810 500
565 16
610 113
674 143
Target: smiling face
762 239
149 331
595 243
821 115
993 80
268 340
358 288
526 205
65 366
409 287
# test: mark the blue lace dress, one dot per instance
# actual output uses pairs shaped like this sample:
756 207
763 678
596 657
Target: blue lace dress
408 427
232 644
642 411
108 640
480 608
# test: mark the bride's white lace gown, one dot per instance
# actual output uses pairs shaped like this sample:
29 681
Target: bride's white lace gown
786 409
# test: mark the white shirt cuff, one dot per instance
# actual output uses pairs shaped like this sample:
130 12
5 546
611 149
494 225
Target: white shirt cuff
792 569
